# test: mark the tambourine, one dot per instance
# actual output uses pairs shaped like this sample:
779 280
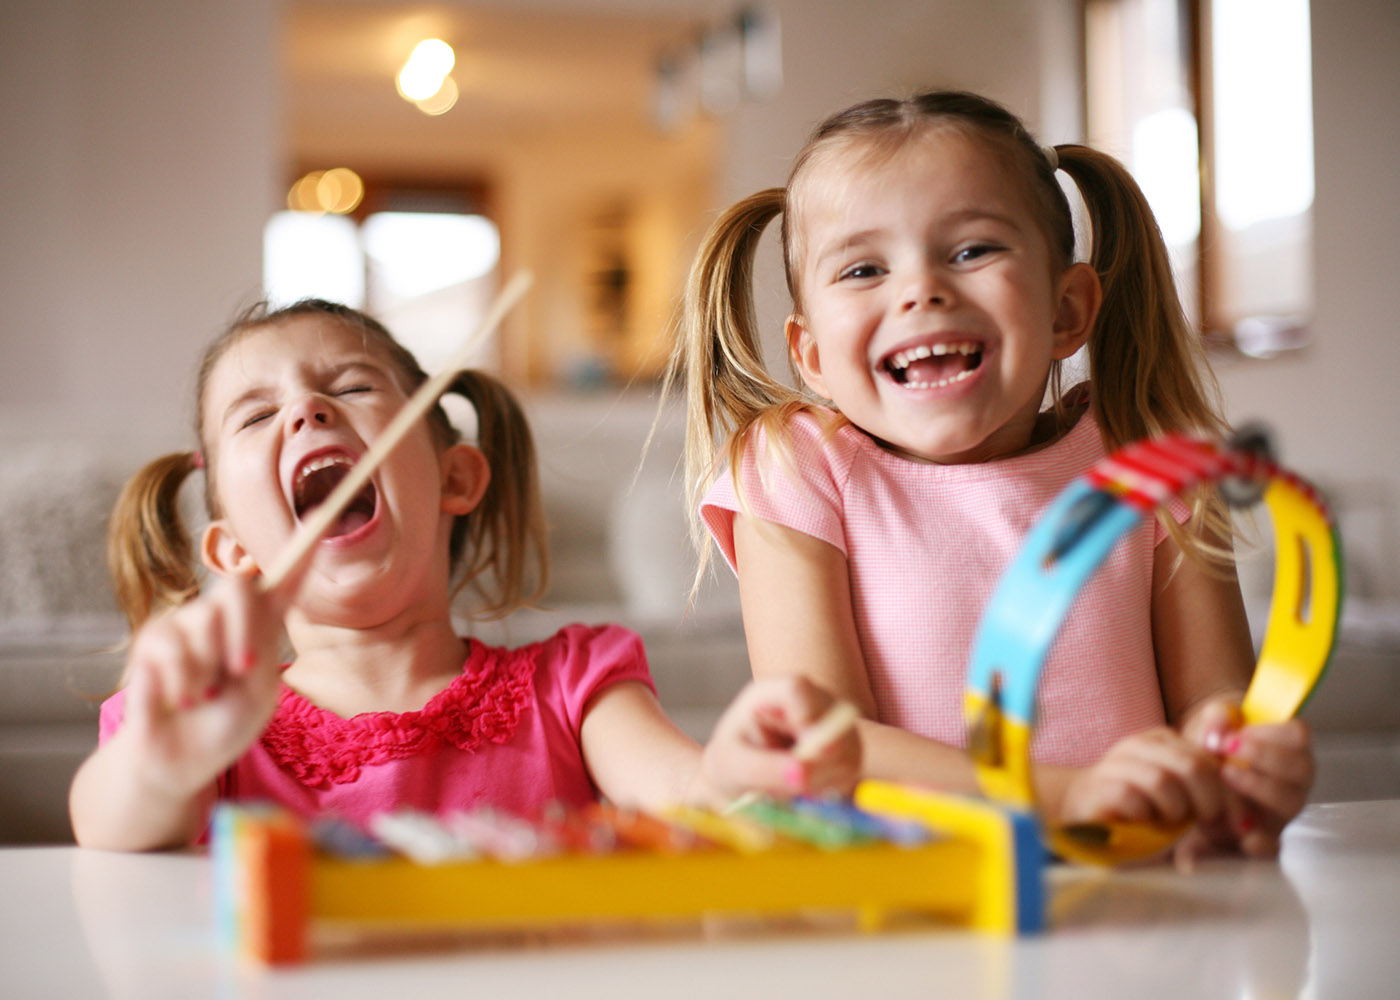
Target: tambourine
1065 548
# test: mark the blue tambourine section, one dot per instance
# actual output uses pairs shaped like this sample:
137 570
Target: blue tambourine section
1064 548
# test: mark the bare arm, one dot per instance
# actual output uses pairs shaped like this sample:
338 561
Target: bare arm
638 756
796 598
117 803
1200 635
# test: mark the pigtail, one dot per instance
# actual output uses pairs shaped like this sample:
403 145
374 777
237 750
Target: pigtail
501 545
717 355
149 553
1146 362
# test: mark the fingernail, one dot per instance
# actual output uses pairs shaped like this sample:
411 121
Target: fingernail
249 661
1232 746
186 703
1247 823
1213 741
795 775
211 692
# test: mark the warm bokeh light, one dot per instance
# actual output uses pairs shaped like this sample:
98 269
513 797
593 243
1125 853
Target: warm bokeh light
442 101
425 72
337 191
302 197
340 190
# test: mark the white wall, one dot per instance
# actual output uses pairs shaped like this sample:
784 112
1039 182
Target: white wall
1017 51
139 165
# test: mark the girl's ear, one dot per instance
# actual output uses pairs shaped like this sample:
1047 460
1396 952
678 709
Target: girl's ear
465 476
1078 297
802 348
222 553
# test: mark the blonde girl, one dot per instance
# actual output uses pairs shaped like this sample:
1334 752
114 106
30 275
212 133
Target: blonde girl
929 254
383 705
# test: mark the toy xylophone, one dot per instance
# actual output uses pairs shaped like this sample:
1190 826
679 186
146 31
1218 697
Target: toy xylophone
895 850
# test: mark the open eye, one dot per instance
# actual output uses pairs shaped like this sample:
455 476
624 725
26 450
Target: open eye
976 251
863 270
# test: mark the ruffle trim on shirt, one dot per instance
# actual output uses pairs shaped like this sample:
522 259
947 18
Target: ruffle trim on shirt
483 705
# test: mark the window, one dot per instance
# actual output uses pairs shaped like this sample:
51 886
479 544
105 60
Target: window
423 263
1209 104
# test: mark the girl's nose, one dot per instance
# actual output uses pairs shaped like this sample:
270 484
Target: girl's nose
924 291
310 410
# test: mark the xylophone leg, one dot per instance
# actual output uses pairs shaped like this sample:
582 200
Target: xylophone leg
262 861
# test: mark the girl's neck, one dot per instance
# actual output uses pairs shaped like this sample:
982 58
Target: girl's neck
392 667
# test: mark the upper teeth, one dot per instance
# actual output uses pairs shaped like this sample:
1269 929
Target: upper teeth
317 464
906 358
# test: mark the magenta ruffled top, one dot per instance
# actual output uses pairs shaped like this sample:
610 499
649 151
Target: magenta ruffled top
503 733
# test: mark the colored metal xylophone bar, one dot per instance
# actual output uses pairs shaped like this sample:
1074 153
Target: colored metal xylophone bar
894 851
1066 547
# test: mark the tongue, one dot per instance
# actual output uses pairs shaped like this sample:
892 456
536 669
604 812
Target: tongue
936 369
352 520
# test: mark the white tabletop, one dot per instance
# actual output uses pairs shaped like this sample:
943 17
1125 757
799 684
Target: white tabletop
1323 922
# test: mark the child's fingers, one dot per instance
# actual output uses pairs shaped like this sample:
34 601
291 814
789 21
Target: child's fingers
252 620
176 651
1181 781
782 737
837 768
1154 793
1282 751
1277 800
1213 724
1110 797
1271 767
144 698
782 709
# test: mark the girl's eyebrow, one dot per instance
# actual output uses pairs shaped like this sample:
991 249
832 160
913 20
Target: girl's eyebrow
846 242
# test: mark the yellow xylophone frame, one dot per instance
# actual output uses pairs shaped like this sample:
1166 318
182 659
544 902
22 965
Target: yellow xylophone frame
984 871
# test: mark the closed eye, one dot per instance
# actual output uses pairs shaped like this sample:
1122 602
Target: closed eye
352 389
256 418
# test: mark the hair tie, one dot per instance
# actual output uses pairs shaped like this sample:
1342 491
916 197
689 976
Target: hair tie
1052 157
197 457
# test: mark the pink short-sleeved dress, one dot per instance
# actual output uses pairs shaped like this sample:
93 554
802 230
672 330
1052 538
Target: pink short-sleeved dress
926 544
504 733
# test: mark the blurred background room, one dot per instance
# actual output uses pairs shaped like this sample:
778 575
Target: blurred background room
166 164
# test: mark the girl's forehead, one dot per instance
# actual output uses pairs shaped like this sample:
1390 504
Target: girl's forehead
935 168
308 343
844 169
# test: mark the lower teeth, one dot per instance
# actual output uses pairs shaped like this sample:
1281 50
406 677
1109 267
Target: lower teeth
941 382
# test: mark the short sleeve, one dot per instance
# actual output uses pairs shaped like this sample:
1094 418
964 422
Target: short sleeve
581 661
1179 511
798 484
109 717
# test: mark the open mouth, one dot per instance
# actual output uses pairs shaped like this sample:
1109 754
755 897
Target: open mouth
932 366
317 479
